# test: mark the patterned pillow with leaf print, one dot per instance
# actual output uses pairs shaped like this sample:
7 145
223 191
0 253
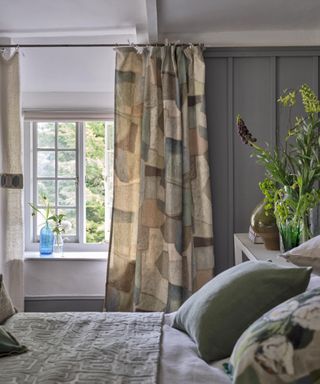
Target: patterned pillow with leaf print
283 346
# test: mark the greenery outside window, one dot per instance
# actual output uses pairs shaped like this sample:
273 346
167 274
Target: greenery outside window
71 162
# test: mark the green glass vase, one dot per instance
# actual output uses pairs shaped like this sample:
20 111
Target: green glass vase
290 234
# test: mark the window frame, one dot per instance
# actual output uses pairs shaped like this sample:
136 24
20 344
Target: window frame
30 151
78 158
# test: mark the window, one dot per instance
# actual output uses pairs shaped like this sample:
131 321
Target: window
71 163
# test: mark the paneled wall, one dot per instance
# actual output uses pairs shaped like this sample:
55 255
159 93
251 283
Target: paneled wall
248 82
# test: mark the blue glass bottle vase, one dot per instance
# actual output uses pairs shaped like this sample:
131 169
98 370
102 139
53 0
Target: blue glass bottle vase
46 241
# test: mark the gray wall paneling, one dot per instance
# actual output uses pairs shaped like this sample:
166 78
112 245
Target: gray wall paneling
248 82
291 73
252 99
219 148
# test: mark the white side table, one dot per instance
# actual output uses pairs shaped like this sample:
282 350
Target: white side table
245 249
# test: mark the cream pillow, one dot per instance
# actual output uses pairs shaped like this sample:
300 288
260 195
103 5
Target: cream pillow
282 346
306 254
6 307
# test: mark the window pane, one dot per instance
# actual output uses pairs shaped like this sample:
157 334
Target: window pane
67 164
70 219
46 135
46 164
95 225
94 183
67 192
40 223
46 188
67 135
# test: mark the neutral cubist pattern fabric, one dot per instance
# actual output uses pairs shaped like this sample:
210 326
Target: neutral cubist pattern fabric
161 243
11 205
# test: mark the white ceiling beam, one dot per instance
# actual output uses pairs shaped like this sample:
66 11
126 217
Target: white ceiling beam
69 32
152 20
5 40
249 38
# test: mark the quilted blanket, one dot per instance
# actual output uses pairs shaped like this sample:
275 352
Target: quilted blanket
84 348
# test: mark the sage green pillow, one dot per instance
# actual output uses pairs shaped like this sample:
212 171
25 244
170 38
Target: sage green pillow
9 345
6 306
218 313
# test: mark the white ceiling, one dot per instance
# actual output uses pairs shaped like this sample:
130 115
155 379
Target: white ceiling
185 16
174 16
70 15
90 71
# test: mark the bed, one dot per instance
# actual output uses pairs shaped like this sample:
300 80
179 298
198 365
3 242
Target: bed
103 348
132 348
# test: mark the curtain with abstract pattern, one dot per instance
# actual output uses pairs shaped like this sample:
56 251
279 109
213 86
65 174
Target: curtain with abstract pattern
161 247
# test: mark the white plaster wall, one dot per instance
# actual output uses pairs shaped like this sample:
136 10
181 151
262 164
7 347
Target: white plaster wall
68 78
54 277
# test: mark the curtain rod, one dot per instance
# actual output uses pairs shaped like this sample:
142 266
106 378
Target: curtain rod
93 45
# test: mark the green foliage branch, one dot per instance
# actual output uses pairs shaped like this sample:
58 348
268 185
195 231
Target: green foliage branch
292 169
58 228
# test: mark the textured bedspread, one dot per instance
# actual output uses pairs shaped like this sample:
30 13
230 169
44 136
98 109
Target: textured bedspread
84 348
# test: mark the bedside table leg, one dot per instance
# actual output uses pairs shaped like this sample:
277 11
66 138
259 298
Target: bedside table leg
237 252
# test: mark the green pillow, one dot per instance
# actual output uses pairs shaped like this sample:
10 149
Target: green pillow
6 306
218 313
9 345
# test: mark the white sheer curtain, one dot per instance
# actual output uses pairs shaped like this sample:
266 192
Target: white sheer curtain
11 193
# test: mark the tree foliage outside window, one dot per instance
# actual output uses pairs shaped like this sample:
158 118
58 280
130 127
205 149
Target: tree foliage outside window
95 182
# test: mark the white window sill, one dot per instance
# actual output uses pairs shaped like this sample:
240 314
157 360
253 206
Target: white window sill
79 256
